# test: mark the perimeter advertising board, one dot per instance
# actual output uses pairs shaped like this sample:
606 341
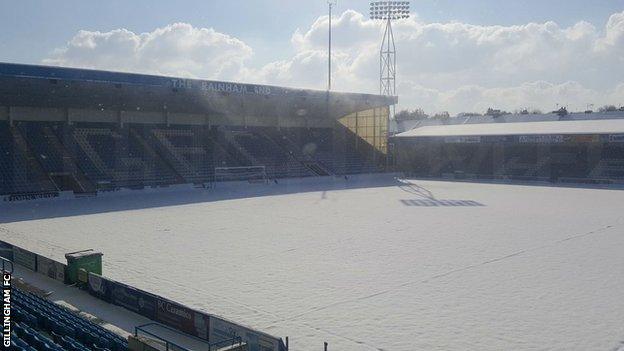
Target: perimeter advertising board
132 299
462 139
182 318
98 287
51 268
498 139
6 250
221 329
583 138
25 258
616 138
541 139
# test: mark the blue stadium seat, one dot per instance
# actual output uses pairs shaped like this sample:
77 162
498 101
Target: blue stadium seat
35 316
18 175
104 156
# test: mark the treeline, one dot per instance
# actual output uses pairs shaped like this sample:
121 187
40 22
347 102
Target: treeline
610 108
419 114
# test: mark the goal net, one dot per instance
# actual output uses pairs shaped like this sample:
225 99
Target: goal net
252 174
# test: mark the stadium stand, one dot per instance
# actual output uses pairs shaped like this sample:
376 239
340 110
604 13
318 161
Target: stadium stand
310 147
567 151
43 325
263 151
86 157
87 131
183 150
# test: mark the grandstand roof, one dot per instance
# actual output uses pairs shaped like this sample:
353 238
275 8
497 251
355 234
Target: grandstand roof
59 87
605 126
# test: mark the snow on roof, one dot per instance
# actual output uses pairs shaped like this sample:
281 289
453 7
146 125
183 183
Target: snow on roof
606 126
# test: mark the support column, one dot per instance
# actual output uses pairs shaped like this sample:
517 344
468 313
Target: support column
67 116
9 115
498 157
594 155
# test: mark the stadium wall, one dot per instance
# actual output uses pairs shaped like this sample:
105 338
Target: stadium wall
121 117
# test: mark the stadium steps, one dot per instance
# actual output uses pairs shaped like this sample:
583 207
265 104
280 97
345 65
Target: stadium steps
125 166
230 137
293 166
146 135
137 167
68 162
358 155
282 142
279 164
154 155
80 136
191 160
16 176
32 161
178 160
225 155
54 159
100 180
317 168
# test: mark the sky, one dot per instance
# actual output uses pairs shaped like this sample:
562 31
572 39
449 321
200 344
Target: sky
456 56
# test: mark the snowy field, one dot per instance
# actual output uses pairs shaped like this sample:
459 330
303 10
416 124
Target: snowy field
375 265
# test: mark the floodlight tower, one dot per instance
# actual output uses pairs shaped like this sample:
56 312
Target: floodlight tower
388 11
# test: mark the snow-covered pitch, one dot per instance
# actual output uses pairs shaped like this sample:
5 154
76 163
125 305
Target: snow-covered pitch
366 264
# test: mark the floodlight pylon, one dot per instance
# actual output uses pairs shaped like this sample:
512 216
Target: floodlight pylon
388 11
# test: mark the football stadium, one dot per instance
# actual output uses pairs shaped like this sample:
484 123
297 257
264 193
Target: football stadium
146 212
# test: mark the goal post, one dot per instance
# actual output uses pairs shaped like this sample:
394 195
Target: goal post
252 174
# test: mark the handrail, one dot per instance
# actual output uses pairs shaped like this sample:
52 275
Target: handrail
4 265
233 341
140 327
167 342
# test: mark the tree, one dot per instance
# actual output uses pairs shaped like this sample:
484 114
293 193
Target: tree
442 115
608 108
495 113
413 115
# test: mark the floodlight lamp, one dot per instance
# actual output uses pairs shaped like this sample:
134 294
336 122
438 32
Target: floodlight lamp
389 10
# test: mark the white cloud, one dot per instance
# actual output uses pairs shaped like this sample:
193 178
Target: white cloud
177 49
441 66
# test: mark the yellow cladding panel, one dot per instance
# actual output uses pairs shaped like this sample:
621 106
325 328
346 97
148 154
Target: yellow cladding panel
370 125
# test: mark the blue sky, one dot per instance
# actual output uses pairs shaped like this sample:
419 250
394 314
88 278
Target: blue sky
453 55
